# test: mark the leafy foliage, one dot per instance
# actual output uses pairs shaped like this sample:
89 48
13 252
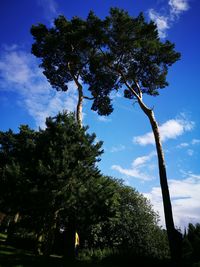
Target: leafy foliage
130 54
54 181
191 244
105 55
132 227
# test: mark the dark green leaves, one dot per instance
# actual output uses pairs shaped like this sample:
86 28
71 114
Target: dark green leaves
105 54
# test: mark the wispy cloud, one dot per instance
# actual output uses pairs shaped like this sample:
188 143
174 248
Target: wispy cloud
195 141
141 161
117 148
178 6
185 200
137 168
172 13
103 118
49 7
190 152
182 145
171 129
20 74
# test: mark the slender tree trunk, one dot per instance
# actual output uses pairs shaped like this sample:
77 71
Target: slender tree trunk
79 109
174 237
69 253
79 113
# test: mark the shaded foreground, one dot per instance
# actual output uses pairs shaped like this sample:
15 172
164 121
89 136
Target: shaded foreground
11 256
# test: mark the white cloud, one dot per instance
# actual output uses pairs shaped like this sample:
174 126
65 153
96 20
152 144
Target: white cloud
178 6
136 173
137 168
117 148
172 12
140 161
103 118
185 197
171 129
20 74
161 22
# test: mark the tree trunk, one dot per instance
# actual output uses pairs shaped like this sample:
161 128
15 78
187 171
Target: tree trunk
69 253
174 237
12 227
79 109
50 234
39 240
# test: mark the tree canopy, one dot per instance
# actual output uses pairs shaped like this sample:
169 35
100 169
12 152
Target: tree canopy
51 179
119 51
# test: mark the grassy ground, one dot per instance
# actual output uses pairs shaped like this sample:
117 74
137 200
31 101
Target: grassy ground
14 257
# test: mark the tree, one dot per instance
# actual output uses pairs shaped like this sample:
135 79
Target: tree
16 161
130 50
16 164
191 243
131 228
66 158
64 50
49 173
119 52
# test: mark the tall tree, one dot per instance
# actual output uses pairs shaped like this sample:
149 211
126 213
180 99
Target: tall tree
65 51
120 52
131 51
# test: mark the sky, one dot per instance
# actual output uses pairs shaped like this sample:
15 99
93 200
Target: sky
129 151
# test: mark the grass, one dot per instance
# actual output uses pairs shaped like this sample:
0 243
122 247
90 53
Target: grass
11 256
3 237
14 257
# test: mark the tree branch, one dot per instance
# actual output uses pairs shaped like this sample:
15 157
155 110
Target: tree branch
139 95
89 98
127 84
138 87
74 77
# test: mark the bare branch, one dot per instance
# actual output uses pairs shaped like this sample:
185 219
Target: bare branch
138 87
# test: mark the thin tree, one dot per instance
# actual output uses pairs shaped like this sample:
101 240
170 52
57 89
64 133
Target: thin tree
131 52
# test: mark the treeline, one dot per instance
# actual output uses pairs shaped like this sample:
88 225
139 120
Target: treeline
51 185
51 188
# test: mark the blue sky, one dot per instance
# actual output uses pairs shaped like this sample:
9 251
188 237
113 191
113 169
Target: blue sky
27 98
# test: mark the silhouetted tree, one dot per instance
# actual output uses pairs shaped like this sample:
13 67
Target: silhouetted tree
130 55
119 52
